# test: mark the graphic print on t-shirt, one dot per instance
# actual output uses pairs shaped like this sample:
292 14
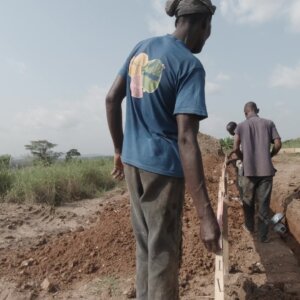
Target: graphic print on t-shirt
145 75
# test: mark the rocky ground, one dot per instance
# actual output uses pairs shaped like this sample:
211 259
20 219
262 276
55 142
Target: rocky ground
85 250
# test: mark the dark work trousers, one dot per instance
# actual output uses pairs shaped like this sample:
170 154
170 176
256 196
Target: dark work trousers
257 189
156 212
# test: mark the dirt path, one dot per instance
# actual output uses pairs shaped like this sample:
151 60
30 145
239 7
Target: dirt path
85 250
266 271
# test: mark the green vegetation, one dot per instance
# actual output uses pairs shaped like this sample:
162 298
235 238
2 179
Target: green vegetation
57 183
293 143
4 161
227 144
41 151
6 178
72 153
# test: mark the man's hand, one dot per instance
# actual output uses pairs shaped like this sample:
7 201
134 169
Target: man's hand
230 154
210 231
231 161
118 171
276 147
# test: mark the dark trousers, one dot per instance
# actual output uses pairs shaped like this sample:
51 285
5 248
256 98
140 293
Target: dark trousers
156 211
257 189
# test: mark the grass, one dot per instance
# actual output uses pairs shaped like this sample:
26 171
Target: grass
294 143
58 183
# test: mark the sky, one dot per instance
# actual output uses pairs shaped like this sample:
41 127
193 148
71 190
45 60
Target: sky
58 59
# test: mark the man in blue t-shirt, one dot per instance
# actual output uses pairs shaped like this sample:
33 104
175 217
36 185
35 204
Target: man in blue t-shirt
159 153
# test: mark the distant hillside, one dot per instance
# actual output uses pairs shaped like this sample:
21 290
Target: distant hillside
293 143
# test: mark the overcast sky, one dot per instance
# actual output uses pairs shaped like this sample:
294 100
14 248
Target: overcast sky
59 57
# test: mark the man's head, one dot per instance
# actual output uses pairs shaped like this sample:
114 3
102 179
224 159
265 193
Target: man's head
230 127
193 17
250 109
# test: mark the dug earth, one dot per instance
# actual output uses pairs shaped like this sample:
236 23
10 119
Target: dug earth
86 249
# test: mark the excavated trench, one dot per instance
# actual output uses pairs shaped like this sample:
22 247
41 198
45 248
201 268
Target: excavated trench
96 260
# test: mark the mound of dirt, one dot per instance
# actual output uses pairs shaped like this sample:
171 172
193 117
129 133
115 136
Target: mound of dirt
210 145
108 248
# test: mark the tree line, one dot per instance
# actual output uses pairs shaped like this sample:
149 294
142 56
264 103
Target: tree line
43 153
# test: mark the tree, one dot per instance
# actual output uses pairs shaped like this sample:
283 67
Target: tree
71 154
41 151
226 144
4 161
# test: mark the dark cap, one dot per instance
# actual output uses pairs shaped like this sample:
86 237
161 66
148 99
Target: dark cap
186 7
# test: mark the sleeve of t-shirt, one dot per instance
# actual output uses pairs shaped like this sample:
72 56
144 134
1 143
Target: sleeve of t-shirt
190 97
124 69
274 132
123 72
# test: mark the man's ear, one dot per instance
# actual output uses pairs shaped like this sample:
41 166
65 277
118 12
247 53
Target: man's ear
257 111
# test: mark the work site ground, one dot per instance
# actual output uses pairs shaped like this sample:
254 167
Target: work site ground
86 249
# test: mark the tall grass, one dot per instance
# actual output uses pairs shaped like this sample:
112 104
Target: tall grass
294 143
58 183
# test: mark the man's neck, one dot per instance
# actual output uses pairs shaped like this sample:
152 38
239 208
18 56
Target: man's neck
182 35
251 115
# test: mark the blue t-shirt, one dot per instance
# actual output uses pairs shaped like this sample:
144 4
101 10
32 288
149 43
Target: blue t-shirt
163 79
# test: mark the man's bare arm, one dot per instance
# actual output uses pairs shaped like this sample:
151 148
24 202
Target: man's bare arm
237 147
188 127
276 147
114 100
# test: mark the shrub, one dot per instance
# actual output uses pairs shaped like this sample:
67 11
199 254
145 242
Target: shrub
4 161
61 182
6 181
227 144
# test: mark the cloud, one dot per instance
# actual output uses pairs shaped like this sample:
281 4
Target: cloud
215 86
286 77
42 118
223 77
214 125
261 11
158 22
18 66
70 124
241 11
295 16
68 115
252 10
212 88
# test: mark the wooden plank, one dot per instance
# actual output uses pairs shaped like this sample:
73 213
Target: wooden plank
219 270
222 259
219 278
225 224
225 240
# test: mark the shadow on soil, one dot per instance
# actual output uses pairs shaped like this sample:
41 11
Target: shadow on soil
280 264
